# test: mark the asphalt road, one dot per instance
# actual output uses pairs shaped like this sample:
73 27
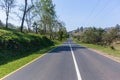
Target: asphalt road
69 62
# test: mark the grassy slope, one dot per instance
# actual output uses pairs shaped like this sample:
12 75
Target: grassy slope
11 66
101 48
11 60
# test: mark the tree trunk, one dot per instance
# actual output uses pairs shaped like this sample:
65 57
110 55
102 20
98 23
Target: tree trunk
23 18
28 24
45 29
7 15
36 29
7 20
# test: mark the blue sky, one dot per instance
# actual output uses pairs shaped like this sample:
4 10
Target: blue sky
98 13
86 13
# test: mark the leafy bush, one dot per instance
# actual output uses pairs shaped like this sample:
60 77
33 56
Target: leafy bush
92 35
15 45
99 36
15 40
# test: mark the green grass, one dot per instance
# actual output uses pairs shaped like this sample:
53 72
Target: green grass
11 66
107 50
117 47
17 49
11 39
15 45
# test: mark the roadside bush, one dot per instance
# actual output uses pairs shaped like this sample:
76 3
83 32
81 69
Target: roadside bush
112 47
15 45
92 35
110 35
19 41
104 37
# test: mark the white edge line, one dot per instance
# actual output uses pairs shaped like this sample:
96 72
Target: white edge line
75 63
26 64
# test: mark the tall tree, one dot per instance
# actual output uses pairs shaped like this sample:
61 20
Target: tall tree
24 13
45 10
46 16
7 5
27 14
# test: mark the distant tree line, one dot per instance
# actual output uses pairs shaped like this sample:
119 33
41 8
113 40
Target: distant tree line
100 36
39 15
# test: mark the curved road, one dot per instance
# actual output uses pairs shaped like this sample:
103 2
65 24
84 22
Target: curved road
69 62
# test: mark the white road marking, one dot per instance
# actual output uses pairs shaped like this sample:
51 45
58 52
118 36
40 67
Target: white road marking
75 63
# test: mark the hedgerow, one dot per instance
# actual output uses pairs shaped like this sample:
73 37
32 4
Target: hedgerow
18 41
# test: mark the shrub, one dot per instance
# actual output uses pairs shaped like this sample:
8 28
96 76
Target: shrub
15 40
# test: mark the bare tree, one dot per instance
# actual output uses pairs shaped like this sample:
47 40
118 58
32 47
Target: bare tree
27 14
23 18
7 5
29 17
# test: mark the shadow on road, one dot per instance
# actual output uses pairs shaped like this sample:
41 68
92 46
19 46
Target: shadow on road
66 48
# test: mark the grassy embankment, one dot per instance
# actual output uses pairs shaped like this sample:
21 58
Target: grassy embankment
107 50
17 49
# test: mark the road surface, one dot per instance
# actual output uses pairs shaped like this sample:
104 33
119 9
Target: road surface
69 62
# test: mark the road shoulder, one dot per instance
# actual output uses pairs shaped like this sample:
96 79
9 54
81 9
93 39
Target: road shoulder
117 59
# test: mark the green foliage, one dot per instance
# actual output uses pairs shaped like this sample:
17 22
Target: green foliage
18 41
99 36
110 35
30 47
62 33
48 23
15 61
15 45
92 35
47 15
17 49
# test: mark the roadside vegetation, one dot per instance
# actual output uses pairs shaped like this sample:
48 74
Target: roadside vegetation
40 30
106 40
14 45
17 49
19 60
104 49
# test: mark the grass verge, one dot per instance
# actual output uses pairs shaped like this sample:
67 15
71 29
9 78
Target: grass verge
17 49
107 50
11 66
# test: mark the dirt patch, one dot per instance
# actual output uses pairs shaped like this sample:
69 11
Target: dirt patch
117 59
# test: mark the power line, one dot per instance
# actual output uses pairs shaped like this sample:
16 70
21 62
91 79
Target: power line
104 7
109 12
92 11
101 10
114 8
107 2
94 8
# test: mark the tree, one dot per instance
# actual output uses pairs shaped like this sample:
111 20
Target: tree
24 13
117 26
29 17
81 28
92 35
62 33
35 27
110 35
48 15
1 24
46 19
7 5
